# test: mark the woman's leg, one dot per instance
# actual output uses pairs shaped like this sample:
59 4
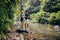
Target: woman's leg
22 24
25 26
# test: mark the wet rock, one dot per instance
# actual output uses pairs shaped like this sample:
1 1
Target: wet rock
21 31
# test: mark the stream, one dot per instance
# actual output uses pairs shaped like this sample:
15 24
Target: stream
39 32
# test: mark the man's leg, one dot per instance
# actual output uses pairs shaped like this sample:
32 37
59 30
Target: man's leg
25 24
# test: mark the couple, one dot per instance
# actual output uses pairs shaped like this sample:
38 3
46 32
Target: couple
24 18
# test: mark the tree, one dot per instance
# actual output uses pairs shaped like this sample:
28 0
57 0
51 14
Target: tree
52 6
8 11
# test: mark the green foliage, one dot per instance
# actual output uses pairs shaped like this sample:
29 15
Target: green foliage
49 12
52 6
9 10
53 18
34 6
6 15
58 15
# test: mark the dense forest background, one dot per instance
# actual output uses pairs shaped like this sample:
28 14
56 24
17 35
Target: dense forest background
42 11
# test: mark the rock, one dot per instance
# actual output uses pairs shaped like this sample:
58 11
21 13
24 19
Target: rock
21 31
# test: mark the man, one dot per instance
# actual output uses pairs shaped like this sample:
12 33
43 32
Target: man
27 17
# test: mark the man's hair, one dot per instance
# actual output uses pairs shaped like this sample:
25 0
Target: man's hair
26 10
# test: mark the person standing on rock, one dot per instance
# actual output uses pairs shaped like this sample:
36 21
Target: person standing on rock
27 17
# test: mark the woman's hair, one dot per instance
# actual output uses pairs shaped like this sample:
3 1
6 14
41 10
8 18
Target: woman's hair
21 12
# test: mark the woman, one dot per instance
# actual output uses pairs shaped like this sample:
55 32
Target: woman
22 19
